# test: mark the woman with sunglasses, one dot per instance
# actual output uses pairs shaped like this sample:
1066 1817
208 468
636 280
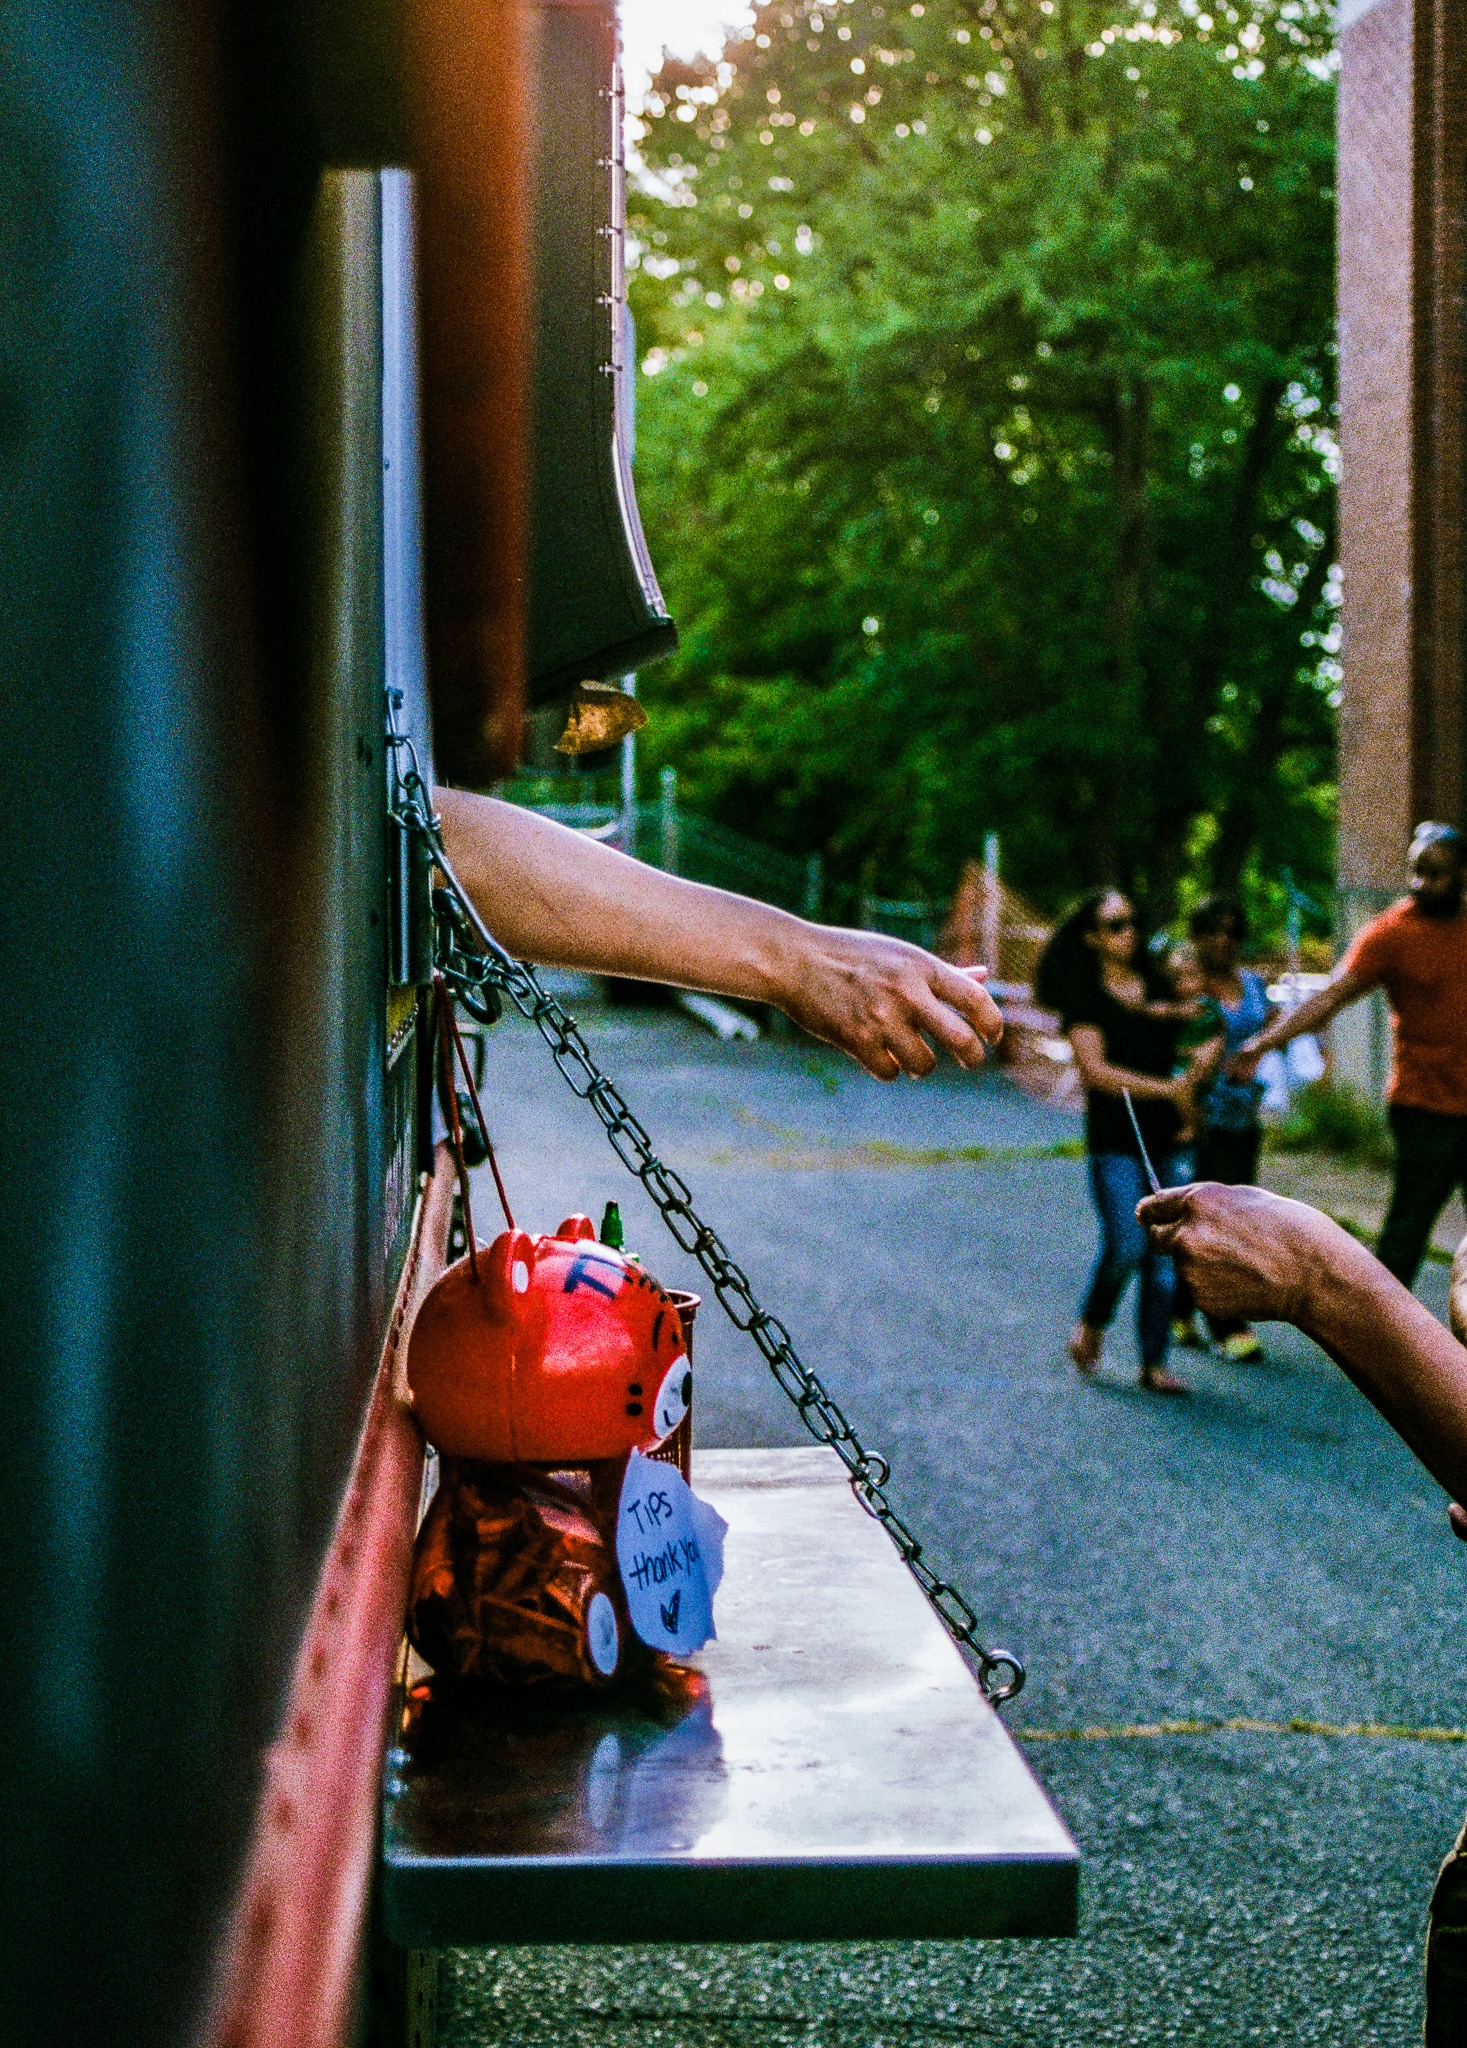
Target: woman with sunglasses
1114 1009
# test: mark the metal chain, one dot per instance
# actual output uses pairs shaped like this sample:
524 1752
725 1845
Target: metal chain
478 977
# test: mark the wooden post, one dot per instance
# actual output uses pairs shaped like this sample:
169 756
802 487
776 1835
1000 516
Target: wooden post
628 833
991 904
669 820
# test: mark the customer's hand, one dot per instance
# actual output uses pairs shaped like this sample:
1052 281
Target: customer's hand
1243 1065
1242 1251
882 1000
1247 1253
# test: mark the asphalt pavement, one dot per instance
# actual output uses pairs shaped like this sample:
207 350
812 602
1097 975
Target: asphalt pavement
1265 1551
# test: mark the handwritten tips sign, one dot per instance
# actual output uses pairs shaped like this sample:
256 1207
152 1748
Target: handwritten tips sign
669 1547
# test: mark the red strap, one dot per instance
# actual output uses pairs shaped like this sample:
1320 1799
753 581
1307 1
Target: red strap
479 1113
444 1010
450 1041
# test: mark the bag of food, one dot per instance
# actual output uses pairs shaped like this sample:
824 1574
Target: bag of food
514 1580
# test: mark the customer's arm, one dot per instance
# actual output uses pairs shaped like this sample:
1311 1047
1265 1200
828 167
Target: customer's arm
1344 986
1245 1252
552 895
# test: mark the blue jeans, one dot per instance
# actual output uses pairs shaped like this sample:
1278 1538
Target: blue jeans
1118 1182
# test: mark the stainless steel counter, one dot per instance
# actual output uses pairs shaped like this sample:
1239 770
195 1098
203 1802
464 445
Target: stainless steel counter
828 1771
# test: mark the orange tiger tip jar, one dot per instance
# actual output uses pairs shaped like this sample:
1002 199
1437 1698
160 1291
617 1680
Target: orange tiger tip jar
560 1353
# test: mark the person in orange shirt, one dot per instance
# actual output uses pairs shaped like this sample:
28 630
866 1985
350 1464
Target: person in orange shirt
1417 952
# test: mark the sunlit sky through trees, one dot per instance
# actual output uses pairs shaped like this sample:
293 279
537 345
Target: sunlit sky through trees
986 438
683 26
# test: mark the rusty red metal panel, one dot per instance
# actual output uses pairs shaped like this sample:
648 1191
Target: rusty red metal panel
290 1972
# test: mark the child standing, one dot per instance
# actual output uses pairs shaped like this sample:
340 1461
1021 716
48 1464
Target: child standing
1230 1131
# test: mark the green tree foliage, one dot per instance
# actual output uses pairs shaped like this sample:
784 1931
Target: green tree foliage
985 451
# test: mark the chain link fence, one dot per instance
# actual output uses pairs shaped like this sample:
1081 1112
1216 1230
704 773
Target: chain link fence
916 921
986 921
665 835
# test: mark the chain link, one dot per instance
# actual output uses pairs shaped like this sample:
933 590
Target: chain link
479 977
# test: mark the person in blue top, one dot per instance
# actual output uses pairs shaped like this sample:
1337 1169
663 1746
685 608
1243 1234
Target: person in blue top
1229 1130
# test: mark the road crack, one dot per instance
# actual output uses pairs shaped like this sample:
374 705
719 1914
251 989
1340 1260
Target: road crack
1239 1724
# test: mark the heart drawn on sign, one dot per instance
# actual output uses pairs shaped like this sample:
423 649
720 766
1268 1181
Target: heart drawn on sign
669 1548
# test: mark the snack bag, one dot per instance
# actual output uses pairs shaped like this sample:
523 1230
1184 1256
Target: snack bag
513 1581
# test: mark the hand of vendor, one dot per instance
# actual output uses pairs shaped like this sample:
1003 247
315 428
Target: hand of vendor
554 896
1246 1252
879 999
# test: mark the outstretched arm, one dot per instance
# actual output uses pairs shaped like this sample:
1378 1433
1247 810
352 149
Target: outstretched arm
1312 1014
1245 1252
552 895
